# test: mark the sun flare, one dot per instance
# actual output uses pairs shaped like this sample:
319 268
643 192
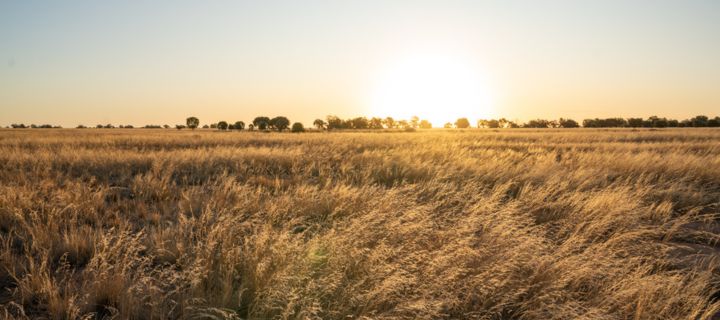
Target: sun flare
433 87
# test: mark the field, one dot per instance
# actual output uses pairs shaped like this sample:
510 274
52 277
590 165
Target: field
508 224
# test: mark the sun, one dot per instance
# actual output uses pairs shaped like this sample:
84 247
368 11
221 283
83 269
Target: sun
439 88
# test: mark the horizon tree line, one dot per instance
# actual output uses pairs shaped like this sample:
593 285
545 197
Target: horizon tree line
332 122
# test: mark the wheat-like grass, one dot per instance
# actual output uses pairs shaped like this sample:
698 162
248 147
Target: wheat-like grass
508 224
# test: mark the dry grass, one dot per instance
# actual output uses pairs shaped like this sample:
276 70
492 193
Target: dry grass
143 224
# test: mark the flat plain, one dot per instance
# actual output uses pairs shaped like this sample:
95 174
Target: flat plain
503 224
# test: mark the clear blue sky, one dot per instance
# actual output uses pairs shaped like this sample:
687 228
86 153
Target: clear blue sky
133 62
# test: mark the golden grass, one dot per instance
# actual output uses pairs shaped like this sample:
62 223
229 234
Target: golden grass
516 224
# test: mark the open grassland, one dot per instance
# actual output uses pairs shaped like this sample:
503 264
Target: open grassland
509 224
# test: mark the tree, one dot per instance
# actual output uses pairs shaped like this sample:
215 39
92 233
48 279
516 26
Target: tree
319 124
297 127
714 122
179 126
375 123
403 124
699 121
568 123
505 123
492 124
447 125
424 124
222 125
656 122
251 127
389 122
635 122
605 123
239 125
462 123
261 122
359 123
537 123
279 123
192 122
414 121
333 122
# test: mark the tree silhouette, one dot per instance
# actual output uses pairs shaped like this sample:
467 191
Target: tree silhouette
333 122
389 122
279 123
239 125
568 123
192 122
447 125
605 123
222 125
319 124
261 122
492 123
505 123
462 123
714 122
537 123
297 127
359 123
655 122
699 121
635 122
375 123
424 124
414 121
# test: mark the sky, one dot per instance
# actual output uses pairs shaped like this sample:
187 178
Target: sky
158 62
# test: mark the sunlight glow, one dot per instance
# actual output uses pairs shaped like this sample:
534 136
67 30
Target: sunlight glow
439 88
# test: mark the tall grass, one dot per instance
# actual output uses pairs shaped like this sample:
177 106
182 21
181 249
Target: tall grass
546 224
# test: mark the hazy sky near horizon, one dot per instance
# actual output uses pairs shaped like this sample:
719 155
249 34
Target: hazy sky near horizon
142 62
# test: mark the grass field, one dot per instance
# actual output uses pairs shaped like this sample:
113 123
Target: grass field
509 224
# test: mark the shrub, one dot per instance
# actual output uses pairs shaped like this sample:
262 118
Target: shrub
297 127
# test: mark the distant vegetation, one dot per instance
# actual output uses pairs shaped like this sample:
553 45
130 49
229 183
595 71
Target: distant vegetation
297 127
281 123
192 122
